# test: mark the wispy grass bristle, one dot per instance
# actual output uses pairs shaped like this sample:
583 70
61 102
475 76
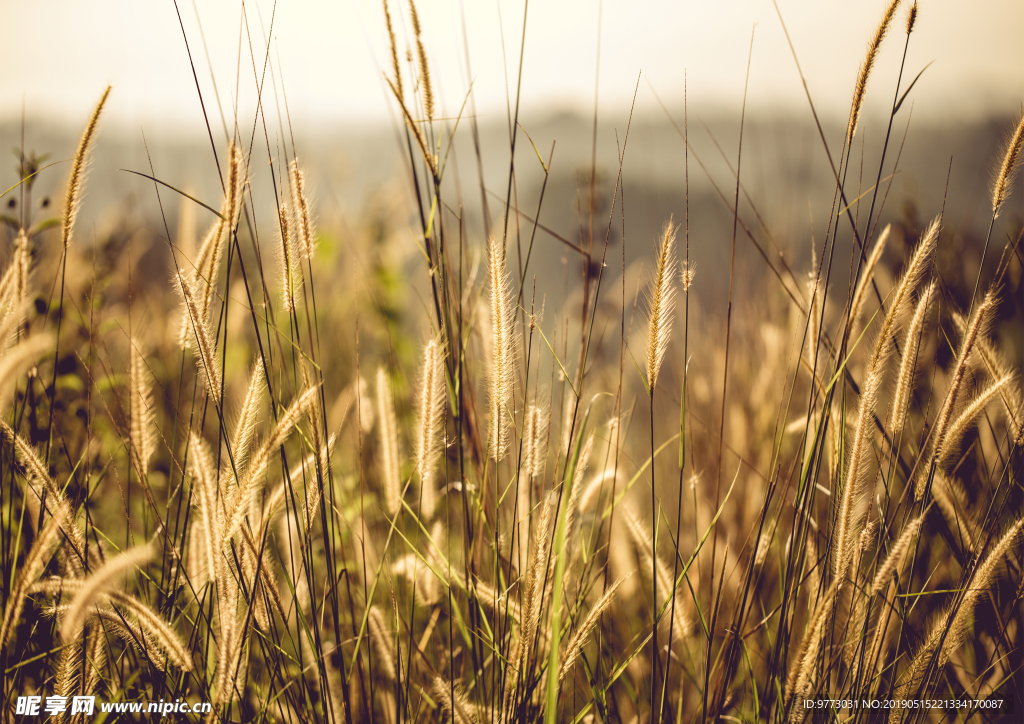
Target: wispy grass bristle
35 562
79 166
430 423
303 212
143 436
660 303
94 586
502 371
426 87
909 363
894 560
865 69
1008 167
868 275
388 428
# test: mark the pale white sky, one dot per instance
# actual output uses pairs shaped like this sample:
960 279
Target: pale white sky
57 55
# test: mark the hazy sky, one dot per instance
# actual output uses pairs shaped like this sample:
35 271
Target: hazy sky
57 55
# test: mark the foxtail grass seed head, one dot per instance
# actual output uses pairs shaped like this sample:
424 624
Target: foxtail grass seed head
535 438
382 642
687 271
156 632
911 18
133 635
291 271
950 629
865 69
801 673
79 166
920 263
502 361
32 567
764 543
455 706
41 484
660 301
245 425
982 318
95 586
14 284
303 212
204 281
426 87
572 650
395 66
894 560
959 428
908 365
142 409
537 593
853 503
1008 167
237 181
867 275
239 506
207 365
430 423
207 491
997 367
365 405
984 577
390 455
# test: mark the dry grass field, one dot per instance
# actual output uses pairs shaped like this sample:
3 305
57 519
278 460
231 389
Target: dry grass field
461 497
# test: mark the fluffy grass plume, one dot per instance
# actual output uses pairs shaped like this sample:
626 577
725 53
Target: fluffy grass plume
95 585
573 648
291 273
1008 167
396 68
535 433
14 282
852 503
950 628
245 424
426 87
867 275
660 303
207 363
303 210
79 166
909 363
143 436
381 638
390 471
865 69
204 280
502 370
430 423
982 317
38 556
893 561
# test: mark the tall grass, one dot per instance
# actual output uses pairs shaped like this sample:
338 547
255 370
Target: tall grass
276 500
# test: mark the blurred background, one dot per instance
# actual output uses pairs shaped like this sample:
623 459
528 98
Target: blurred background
321 67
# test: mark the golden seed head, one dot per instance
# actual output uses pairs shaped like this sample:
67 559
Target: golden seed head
1008 167
688 271
911 18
